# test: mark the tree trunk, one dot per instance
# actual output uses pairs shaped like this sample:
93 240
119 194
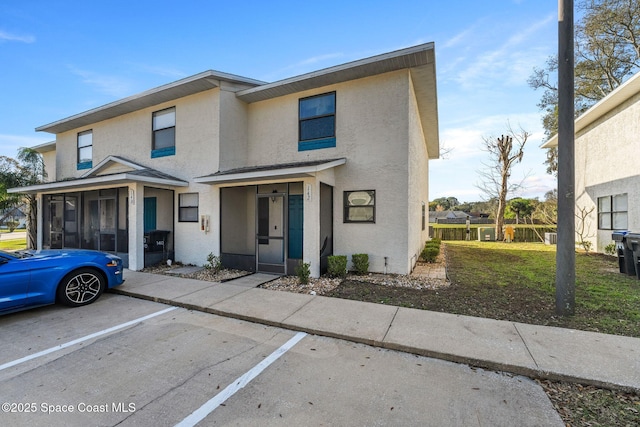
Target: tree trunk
32 223
502 203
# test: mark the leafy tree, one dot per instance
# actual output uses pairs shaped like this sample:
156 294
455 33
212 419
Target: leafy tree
522 208
446 203
27 170
503 155
607 49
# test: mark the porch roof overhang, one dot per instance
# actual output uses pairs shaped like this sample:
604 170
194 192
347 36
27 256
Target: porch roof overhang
137 173
270 172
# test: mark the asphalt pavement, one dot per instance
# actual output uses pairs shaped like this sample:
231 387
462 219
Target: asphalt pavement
543 352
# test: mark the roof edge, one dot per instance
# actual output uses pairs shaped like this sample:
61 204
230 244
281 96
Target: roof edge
253 94
207 79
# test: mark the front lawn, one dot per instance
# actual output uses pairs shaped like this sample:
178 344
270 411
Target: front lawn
12 244
516 282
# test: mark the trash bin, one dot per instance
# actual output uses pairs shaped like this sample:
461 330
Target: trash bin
626 261
632 241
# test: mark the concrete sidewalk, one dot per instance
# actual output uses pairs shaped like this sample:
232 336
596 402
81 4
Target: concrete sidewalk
603 360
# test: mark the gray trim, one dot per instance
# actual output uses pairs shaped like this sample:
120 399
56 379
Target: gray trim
412 57
169 92
270 172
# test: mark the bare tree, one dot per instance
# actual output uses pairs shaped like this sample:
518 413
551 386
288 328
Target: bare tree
503 154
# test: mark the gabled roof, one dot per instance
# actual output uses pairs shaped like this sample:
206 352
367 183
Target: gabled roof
607 104
127 171
178 89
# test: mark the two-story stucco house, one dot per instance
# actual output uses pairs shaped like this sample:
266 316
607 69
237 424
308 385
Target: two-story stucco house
263 174
607 177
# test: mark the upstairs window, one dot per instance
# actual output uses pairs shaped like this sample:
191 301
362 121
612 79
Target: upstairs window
164 133
85 150
360 206
612 212
317 122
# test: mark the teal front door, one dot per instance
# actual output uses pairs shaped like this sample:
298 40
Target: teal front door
295 226
150 206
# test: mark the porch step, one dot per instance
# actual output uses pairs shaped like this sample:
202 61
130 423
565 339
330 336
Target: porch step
252 280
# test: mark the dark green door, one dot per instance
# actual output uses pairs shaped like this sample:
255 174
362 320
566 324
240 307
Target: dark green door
295 226
150 204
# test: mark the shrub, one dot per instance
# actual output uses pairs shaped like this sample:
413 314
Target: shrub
610 249
360 263
213 263
430 253
337 265
303 271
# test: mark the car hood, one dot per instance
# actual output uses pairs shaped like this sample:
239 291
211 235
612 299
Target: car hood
56 253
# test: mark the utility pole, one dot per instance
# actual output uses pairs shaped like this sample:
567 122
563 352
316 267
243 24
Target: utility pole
566 252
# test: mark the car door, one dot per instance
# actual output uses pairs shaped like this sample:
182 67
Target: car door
14 282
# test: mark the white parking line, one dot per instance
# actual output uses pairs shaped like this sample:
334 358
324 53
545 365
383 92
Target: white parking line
200 413
85 338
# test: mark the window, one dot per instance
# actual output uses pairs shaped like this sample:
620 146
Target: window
612 212
360 206
424 216
85 150
317 115
164 133
188 207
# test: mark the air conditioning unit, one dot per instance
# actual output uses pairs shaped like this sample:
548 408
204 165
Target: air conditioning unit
550 238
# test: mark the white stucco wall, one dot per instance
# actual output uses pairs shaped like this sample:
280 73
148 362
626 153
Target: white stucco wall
372 132
605 167
418 188
130 136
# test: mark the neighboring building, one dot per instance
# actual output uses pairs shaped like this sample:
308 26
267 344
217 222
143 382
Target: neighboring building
15 215
607 176
447 216
263 174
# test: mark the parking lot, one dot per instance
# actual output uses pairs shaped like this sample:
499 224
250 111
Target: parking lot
125 361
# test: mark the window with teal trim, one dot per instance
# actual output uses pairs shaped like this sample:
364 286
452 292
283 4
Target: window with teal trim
164 133
85 149
317 122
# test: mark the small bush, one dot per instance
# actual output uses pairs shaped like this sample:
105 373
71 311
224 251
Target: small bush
337 265
430 253
213 263
610 249
303 271
360 263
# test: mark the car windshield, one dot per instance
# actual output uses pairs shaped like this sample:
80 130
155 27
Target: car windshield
16 254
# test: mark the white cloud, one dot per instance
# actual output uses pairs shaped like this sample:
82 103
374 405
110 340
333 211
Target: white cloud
303 66
4 36
511 62
10 144
115 86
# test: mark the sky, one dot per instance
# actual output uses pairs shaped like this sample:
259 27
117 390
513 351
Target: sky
60 58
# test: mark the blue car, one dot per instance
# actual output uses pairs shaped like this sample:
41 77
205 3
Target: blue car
73 277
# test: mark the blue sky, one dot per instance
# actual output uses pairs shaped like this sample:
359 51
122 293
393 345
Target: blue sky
61 58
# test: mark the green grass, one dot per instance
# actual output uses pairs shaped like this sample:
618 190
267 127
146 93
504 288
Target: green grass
13 244
517 282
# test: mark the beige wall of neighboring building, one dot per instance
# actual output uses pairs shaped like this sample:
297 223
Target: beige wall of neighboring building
605 167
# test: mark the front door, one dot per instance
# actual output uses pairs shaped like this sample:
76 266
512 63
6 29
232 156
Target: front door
56 221
270 236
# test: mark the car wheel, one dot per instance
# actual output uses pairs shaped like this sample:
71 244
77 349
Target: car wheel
81 287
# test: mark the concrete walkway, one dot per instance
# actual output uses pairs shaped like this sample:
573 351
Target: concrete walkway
603 360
